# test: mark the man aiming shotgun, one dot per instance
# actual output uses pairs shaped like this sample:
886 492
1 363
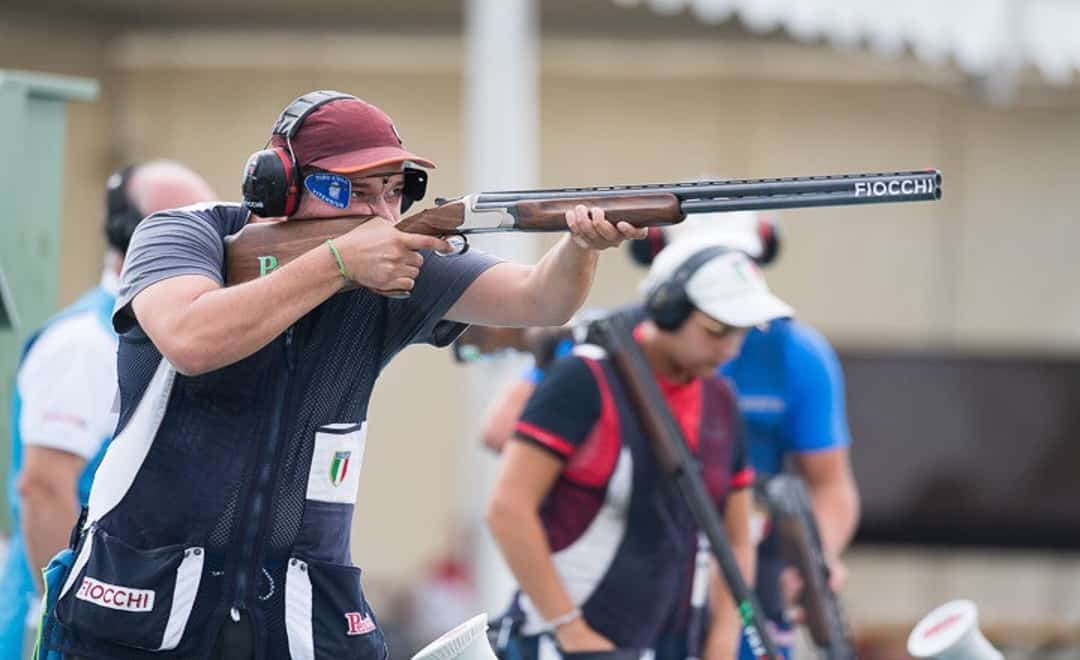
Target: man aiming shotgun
219 522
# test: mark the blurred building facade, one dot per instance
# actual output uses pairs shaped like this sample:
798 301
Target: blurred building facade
626 97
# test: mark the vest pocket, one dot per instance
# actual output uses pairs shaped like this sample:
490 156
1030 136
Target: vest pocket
335 463
326 614
333 480
123 595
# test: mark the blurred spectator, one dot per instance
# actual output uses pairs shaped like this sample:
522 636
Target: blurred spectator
64 393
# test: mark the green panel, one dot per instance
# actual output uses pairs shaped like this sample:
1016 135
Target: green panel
49 87
32 132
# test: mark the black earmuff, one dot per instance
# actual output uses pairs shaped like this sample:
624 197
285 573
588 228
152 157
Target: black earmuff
121 215
271 183
667 303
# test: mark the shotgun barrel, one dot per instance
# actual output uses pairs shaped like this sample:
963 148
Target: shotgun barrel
903 186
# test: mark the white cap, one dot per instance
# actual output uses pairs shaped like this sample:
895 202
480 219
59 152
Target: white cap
951 632
729 287
738 230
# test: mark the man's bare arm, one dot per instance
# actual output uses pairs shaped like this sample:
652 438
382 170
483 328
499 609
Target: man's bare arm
526 476
47 486
834 496
200 326
500 423
549 292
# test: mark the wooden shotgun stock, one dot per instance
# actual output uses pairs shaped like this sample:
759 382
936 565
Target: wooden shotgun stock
259 248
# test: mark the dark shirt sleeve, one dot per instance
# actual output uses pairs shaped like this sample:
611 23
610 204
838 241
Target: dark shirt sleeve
186 241
418 319
563 409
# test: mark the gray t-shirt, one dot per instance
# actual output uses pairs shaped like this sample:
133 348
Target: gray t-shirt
190 241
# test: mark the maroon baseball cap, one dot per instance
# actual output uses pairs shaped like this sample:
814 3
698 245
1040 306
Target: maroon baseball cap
348 135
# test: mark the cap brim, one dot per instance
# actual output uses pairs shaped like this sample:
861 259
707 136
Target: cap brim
746 311
366 159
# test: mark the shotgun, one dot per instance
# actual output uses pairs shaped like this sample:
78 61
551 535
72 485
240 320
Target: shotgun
261 247
614 333
800 543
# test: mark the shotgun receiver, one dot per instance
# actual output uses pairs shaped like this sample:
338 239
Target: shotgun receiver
259 248
800 543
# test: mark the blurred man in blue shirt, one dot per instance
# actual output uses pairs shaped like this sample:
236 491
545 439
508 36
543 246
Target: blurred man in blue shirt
791 394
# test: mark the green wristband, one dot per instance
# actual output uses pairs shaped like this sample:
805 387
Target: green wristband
340 261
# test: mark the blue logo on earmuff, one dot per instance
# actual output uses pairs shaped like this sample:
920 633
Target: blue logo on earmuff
330 188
